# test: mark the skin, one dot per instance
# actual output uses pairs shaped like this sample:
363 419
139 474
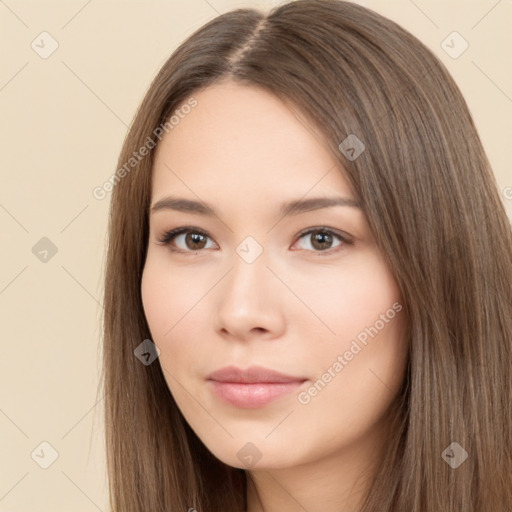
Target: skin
293 309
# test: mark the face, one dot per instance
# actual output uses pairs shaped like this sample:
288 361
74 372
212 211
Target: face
306 294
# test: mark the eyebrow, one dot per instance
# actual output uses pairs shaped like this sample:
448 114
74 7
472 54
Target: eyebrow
294 207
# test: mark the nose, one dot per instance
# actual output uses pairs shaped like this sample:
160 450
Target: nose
250 301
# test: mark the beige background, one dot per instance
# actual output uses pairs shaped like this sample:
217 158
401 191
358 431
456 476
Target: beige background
62 125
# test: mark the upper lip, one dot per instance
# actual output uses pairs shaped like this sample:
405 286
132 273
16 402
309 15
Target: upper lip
253 374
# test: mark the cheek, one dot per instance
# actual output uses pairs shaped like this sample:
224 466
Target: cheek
156 294
171 307
365 354
348 299
362 368
167 297
362 378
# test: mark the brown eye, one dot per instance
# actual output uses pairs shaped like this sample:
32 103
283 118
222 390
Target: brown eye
195 241
191 240
321 240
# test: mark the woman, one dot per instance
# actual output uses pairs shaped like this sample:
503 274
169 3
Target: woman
308 299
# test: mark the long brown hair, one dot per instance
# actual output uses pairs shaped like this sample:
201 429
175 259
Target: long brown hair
432 203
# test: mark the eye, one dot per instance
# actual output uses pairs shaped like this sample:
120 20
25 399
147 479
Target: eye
194 239
322 240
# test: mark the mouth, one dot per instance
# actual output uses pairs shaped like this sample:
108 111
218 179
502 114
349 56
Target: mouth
253 387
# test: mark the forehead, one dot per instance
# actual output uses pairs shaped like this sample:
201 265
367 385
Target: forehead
243 143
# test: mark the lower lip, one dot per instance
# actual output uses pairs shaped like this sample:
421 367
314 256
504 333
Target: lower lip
254 395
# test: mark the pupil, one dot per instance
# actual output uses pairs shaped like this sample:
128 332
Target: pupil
194 238
320 238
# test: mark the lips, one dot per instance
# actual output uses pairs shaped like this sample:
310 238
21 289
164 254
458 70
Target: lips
253 387
252 375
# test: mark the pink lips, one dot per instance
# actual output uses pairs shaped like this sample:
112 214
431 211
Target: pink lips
251 388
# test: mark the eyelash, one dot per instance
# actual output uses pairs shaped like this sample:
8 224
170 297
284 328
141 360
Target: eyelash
169 236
